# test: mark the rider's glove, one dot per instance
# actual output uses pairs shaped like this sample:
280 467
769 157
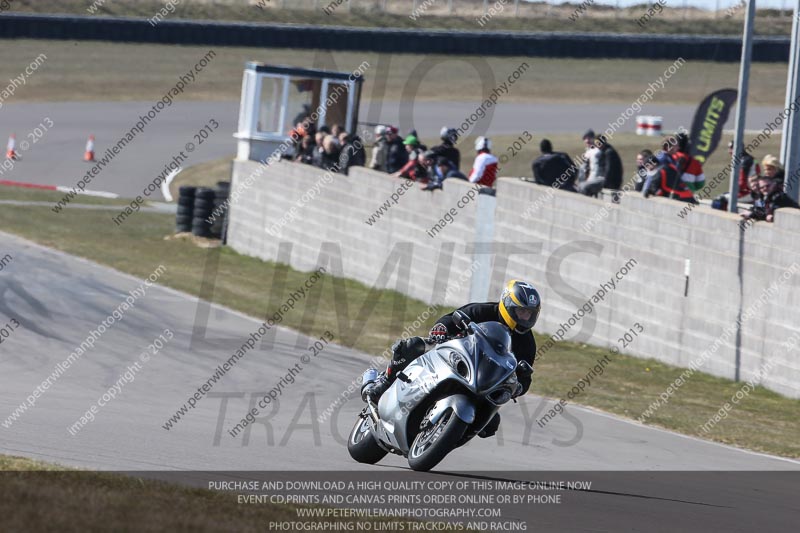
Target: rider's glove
438 334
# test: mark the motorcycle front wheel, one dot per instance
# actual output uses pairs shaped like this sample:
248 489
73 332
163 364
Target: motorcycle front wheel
362 445
433 443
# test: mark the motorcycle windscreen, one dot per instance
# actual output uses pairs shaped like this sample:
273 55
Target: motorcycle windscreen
492 368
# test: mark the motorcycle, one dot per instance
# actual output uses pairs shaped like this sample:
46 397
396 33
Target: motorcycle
442 399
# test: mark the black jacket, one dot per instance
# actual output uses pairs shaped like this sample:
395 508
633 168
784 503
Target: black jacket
522 344
449 152
397 156
352 155
610 167
555 167
775 200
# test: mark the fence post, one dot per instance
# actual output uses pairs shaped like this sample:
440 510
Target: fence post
516 8
485 6
450 6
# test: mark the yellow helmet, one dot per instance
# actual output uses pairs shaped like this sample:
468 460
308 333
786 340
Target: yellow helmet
520 305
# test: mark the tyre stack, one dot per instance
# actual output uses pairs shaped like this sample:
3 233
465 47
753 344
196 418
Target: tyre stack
183 220
203 207
221 192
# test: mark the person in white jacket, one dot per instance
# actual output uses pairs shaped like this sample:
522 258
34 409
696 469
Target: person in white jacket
484 169
590 182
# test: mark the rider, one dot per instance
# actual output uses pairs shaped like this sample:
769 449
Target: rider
518 309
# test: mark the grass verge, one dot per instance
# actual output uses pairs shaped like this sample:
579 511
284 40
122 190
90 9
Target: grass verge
90 71
83 501
26 194
764 421
203 175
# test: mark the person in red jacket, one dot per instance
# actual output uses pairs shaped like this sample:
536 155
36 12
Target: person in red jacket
665 181
418 169
689 168
749 170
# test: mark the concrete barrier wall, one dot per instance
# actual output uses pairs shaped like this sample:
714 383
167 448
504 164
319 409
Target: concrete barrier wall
568 246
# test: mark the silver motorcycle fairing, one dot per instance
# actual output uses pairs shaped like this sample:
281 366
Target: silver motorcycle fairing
394 406
461 405
429 370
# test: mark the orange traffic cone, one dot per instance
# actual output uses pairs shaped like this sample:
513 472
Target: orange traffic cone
88 154
11 149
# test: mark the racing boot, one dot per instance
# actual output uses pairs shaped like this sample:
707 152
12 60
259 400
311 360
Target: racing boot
375 389
403 352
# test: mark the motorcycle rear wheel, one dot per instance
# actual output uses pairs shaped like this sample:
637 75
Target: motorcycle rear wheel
432 444
362 445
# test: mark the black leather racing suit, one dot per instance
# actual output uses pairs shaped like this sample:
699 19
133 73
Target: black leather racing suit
522 344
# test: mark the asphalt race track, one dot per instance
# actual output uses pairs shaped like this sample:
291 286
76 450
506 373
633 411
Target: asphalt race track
59 299
56 159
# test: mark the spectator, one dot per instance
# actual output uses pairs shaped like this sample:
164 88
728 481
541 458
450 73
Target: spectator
442 169
609 165
337 130
689 168
413 147
773 198
448 149
380 150
664 181
589 182
752 183
329 158
554 169
298 132
419 169
397 155
484 169
641 172
319 150
303 116
772 168
667 153
353 153
748 171
445 169
305 152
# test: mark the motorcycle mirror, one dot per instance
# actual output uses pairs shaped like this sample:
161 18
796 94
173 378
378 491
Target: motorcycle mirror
461 319
524 368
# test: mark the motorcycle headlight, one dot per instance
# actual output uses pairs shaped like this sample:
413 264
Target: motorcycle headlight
512 380
460 365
